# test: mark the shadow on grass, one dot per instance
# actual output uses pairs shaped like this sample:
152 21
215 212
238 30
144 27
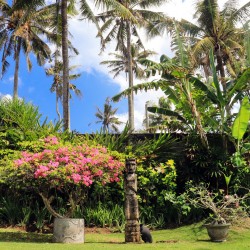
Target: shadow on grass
25 237
38 238
105 242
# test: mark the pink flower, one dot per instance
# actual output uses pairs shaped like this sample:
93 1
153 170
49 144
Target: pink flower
87 181
64 159
19 162
76 177
41 171
99 173
53 164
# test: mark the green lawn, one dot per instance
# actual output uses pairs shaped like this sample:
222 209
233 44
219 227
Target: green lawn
183 238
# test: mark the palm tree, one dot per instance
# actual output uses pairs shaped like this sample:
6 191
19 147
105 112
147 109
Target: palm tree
107 118
57 85
65 54
217 30
176 85
120 62
21 28
67 7
121 22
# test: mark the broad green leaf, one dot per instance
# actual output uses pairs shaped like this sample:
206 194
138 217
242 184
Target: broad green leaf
241 122
166 112
202 86
215 79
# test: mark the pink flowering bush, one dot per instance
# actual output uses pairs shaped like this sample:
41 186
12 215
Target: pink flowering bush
71 169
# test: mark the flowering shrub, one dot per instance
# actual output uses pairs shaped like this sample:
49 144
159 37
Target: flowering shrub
68 168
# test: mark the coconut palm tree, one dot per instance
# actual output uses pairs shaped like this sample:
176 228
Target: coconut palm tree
121 22
21 29
107 118
214 29
66 7
120 62
57 85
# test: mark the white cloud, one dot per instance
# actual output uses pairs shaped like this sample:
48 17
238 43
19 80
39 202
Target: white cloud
5 97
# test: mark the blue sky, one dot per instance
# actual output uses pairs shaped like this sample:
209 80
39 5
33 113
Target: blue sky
34 87
95 83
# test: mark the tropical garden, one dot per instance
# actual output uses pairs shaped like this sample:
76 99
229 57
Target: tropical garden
193 155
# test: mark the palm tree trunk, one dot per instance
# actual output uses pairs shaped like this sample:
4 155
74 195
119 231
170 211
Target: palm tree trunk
17 60
222 72
57 107
65 66
130 79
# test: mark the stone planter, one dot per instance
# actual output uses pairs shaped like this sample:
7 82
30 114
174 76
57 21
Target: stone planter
217 232
68 230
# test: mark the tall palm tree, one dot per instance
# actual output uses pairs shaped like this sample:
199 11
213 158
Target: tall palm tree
120 62
176 85
21 29
214 29
65 55
107 118
57 85
66 7
121 22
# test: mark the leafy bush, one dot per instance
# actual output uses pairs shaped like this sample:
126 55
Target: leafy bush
66 168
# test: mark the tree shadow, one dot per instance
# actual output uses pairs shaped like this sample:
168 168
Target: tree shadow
25 237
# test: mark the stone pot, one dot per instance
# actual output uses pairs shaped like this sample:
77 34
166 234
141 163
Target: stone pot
217 232
67 230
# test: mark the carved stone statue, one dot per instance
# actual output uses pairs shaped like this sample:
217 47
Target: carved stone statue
132 227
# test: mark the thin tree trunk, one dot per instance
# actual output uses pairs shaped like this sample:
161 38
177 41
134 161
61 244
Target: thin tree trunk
130 80
57 71
65 66
222 72
17 61
146 114
197 118
227 112
57 107
47 203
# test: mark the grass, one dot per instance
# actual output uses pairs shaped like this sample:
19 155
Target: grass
183 238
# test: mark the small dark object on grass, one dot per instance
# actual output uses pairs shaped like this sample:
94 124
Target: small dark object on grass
145 234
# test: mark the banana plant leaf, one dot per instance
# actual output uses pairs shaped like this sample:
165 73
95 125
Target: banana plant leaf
241 122
215 79
166 112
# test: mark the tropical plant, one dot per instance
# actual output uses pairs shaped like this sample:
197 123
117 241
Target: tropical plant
224 102
107 118
64 168
65 58
224 208
120 62
216 30
21 121
239 128
177 86
121 22
156 120
22 29
56 72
